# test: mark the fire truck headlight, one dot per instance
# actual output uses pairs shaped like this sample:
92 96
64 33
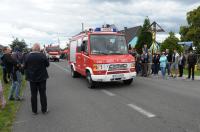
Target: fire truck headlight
99 67
132 64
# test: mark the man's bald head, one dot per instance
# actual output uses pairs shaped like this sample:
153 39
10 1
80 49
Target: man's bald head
36 47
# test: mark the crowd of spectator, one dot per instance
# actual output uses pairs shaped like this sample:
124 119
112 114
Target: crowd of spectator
14 64
169 64
12 69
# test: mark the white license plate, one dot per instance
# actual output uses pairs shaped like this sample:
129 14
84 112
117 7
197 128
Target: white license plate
118 76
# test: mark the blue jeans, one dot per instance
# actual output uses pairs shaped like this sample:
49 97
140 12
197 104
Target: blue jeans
16 85
19 78
163 71
168 68
14 88
156 68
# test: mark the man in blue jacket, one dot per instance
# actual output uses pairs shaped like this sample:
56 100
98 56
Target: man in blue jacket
36 73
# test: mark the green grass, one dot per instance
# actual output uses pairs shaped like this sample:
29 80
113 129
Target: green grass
7 115
196 73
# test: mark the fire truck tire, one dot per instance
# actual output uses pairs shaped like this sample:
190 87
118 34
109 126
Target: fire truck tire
91 83
74 74
128 82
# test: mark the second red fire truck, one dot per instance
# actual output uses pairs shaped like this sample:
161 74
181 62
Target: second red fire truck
52 52
101 55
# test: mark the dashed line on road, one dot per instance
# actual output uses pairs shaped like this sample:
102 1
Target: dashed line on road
142 111
61 67
108 92
20 122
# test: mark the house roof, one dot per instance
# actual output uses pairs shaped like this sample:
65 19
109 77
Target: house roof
130 33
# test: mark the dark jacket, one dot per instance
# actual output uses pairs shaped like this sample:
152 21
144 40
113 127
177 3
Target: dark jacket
144 58
35 67
8 62
182 61
18 56
156 59
192 60
169 57
11 65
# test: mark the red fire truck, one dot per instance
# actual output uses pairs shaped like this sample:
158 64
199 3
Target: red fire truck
52 52
101 55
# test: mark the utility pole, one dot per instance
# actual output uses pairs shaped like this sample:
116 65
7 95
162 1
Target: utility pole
82 26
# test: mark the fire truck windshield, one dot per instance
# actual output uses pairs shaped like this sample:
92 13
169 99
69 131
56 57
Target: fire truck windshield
108 44
52 49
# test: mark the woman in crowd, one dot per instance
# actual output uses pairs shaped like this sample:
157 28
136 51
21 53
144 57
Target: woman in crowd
163 63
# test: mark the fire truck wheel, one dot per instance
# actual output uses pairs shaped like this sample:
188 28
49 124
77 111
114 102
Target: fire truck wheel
128 82
91 83
74 73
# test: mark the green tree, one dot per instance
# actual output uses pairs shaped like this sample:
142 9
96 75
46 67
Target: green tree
145 36
192 31
171 43
21 45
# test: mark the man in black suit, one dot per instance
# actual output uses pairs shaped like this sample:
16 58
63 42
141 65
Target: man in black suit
36 73
192 60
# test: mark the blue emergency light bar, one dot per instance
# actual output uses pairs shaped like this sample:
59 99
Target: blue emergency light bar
97 30
105 30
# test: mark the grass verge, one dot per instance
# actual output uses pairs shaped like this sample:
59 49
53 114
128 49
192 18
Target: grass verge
196 73
8 114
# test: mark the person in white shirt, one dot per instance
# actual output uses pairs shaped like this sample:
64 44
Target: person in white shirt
174 65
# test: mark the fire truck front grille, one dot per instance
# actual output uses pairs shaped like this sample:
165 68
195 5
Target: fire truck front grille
114 67
117 72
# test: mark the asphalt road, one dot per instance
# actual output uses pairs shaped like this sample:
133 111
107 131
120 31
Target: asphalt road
148 105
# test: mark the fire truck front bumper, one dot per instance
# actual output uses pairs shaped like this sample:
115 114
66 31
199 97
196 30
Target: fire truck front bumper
113 77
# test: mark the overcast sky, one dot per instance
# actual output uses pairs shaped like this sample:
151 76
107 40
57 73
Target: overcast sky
45 21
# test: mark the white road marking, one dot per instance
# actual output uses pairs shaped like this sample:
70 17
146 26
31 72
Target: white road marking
61 67
19 122
108 92
138 109
142 111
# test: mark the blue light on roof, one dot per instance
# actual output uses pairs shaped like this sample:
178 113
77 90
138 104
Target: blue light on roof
97 29
105 29
114 30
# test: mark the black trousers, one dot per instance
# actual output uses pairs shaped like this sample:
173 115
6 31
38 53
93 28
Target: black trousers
144 69
5 75
180 67
41 87
190 67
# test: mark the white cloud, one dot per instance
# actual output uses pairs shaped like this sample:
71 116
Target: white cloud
45 21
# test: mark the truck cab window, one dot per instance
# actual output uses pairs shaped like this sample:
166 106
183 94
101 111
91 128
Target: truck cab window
85 46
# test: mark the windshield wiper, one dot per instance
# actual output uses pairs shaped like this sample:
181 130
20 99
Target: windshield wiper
104 53
99 53
116 53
